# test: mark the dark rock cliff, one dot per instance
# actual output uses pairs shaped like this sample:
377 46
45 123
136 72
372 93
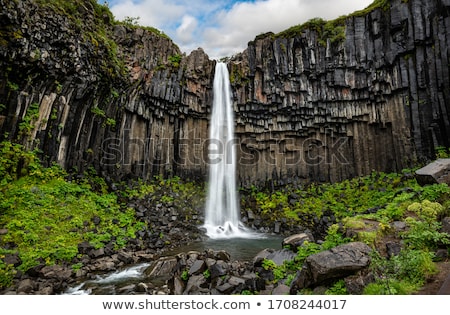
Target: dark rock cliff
311 103
378 100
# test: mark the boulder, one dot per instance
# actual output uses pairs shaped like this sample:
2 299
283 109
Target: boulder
446 225
25 286
281 289
57 272
338 262
436 172
162 268
296 240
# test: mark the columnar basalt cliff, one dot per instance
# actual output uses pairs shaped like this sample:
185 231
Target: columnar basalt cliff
311 103
315 107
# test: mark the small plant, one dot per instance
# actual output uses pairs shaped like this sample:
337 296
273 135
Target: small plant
175 60
207 274
131 21
28 121
110 122
424 235
98 112
338 288
401 274
185 275
442 152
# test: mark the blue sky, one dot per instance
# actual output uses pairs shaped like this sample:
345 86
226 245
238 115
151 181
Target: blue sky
224 27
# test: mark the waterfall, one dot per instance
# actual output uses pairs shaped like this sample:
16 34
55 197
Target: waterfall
222 215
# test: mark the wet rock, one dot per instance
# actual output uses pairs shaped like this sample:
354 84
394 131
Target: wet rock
393 248
12 259
220 268
141 287
57 272
355 284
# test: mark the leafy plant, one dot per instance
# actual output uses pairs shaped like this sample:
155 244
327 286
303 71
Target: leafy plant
338 288
27 123
207 274
185 275
175 60
424 235
442 152
402 274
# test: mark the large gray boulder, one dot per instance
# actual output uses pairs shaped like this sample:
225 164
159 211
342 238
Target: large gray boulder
338 262
437 172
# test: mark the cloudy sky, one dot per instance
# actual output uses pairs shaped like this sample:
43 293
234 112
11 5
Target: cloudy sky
224 27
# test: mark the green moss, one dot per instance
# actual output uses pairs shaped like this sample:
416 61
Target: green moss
377 4
333 30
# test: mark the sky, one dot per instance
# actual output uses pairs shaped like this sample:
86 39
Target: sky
224 27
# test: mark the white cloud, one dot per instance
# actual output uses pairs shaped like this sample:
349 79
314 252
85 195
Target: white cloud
156 13
223 29
185 32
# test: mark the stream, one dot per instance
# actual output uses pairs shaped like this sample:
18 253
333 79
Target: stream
122 281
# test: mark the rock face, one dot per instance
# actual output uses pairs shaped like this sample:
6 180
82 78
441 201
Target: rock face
309 106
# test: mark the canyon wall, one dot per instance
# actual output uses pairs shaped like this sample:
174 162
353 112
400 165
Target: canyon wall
377 100
309 105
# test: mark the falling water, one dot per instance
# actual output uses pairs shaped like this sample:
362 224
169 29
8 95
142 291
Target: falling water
222 216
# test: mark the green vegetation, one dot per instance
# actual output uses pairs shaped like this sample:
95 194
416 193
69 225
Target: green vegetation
27 123
47 216
389 194
442 152
133 22
376 4
333 30
175 60
364 209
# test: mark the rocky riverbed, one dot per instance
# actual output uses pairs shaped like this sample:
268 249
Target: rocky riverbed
155 249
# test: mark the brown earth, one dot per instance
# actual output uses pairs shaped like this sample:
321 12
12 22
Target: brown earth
434 284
